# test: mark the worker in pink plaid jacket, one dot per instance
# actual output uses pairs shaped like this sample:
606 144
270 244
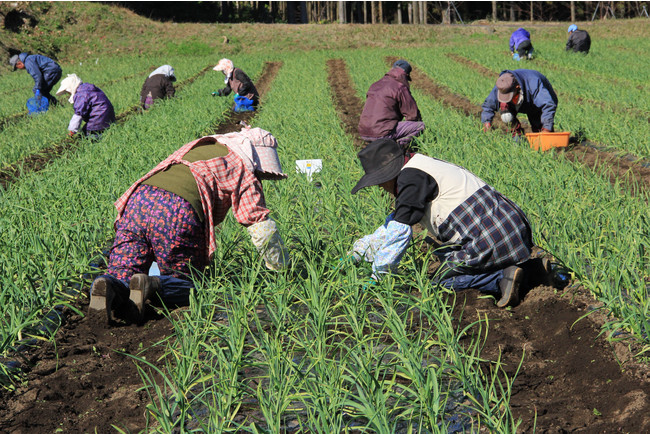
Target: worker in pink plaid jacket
169 216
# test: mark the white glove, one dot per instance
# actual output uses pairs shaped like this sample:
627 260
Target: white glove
269 244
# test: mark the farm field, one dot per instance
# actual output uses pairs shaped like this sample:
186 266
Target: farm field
315 348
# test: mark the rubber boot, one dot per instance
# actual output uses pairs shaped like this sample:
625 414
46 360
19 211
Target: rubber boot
143 287
105 295
509 286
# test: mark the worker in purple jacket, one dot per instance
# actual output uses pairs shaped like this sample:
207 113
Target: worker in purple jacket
90 105
520 42
390 110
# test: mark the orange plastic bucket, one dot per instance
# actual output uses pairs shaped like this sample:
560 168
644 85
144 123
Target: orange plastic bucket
546 141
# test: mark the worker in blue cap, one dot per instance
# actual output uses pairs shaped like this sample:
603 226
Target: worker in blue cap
390 110
579 40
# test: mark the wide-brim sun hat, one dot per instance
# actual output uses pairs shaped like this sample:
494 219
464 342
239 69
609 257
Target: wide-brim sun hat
258 150
382 160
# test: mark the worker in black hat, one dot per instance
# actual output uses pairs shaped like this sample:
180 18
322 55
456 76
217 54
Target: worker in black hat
390 110
521 91
487 235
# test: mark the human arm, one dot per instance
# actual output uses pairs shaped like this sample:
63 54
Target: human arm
247 85
33 69
169 89
407 105
544 100
75 124
490 107
268 242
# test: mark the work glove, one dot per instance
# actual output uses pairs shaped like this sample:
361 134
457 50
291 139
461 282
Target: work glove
487 126
37 94
269 244
217 93
71 133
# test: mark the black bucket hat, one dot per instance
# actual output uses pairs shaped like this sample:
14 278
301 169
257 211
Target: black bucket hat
382 160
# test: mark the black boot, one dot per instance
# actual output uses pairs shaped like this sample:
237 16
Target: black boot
143 287
509 284
108 296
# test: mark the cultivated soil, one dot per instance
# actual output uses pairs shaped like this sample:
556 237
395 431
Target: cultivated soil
84 380
571 378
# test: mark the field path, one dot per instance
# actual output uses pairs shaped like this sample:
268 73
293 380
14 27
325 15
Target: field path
570 372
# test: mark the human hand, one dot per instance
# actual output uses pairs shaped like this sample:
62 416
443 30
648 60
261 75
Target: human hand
37 94
71 133
545 130
487 126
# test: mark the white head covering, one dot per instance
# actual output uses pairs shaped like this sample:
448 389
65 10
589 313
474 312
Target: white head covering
165 70
70 85
257 149
226 66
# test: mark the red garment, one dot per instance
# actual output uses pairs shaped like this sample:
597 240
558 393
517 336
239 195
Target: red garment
388 101
223 183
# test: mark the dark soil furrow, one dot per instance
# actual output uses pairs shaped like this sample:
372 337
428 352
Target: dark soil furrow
40 159
628 170
565 357
348 105
83 380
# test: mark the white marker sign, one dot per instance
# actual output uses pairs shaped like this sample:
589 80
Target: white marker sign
309 167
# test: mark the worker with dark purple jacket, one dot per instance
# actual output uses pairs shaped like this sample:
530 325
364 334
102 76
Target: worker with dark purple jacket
521 91
520 42
90 105
390 110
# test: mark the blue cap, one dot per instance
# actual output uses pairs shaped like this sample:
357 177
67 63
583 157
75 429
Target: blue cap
404 65
572 28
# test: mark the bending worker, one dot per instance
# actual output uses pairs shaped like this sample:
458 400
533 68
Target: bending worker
579 40
246 96
45 72
520 42
521 91
159 85
487 234
390 110
90 104
169 216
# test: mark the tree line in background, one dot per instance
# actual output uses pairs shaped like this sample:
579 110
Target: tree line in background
388 12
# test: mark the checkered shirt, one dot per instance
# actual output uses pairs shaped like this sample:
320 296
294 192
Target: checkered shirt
494 232
223 183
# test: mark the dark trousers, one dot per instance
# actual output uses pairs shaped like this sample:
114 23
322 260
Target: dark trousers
524 48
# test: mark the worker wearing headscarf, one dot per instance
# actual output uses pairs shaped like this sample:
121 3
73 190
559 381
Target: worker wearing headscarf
236 80
90 104
579 40
159 85
170 214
